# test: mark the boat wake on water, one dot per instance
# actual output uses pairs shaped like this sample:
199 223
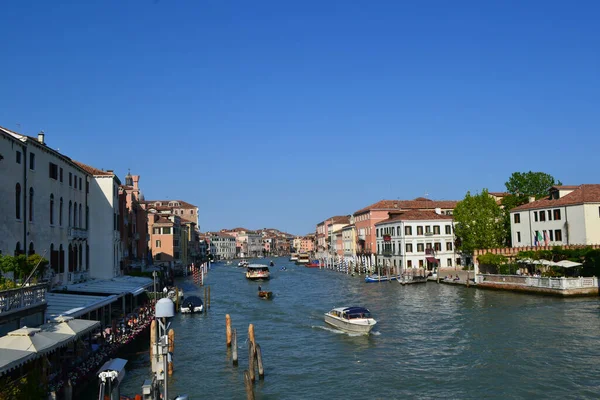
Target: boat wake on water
338 331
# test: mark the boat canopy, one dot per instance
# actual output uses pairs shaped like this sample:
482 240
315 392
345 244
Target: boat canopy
357 312
194 300
261 267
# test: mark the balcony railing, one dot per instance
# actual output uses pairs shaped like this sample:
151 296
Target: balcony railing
22 298
540 282
387 253
77 233
76 277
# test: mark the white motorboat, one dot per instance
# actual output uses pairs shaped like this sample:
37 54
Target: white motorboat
258 272
294 257
351 319
243 264
191 304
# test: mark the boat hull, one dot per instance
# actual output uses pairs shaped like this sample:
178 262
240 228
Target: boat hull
188 310
265 295
362 326
375 278
311 265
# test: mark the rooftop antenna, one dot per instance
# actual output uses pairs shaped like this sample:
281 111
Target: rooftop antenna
426 195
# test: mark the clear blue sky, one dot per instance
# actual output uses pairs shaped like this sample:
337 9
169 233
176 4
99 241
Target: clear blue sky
283 113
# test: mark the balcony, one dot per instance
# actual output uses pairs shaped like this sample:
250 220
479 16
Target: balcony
362 237
387 253
22 298
77 233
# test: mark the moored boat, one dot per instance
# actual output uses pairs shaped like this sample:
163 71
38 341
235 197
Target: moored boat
351 319
257 272
294 257
380 278
191 304
313 264
243 264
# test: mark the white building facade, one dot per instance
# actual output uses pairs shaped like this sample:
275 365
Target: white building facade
44 200
104 218
224 246
569 216
415 239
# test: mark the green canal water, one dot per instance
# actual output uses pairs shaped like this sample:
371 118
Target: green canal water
431 341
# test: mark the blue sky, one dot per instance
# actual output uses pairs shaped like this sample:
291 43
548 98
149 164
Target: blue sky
281 113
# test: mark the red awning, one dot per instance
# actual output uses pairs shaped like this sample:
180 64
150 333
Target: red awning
432 260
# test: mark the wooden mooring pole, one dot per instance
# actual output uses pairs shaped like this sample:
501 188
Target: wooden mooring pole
251 333
171 350
234 354
208 296
251 359
261 371
228 329
205 301
249 386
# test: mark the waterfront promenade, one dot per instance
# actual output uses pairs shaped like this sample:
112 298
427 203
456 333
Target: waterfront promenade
431 341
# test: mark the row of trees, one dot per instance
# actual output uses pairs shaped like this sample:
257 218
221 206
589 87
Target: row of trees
483 224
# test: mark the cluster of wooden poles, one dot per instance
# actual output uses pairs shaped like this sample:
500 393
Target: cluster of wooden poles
153 338
254 356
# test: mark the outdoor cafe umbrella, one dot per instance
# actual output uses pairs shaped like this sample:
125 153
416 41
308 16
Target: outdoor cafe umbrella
568 264
70 326
30 339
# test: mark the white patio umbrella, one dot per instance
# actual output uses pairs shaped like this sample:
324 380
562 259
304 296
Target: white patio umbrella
70 326
29 339
568 264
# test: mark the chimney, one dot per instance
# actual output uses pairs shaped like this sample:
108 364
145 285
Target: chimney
136 179
41 137
531 199
110 171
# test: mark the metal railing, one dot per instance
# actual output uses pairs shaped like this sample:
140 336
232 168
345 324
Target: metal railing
21 298
77 233
540 282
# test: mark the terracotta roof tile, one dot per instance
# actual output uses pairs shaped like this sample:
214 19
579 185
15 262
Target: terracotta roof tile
92 170
587 193
182 204
417 204
415 215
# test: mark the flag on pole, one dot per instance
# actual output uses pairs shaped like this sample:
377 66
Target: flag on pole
546 238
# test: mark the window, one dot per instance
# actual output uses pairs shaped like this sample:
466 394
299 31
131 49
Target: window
408 230
157 244
409 264
449 246
32 161
53 171
51 209
409 247
75 215
60 175
420 248
551 235
517 218
60 212
419 230
557 215
558 235
18 201
549 215
87 186
75 181
448 230
70 179
192 212
542 216
31 204
421 263
518 237
167 231
80 185
436 229
156 231
18 157
535 216
377 232
437 246
428 229
87 217
449 262
80 216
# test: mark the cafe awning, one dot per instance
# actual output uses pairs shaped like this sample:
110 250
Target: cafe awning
568 264
11 359
70 326
119 285
432 260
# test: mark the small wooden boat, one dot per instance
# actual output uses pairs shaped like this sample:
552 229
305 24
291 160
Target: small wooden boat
378 278
263 294
313 264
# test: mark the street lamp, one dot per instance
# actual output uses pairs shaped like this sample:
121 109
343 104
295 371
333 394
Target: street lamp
165 309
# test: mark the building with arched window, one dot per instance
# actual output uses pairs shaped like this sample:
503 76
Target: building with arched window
37 183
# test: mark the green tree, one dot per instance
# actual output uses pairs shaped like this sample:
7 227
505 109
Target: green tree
525 184
21 266
479 223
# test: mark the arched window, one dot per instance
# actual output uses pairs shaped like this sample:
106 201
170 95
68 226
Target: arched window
75 258
80 257
70 210
70 258
87 217
61 260
87 257
31 249
31 204
60 212
18 249
51 209
18 201
75 215
80 219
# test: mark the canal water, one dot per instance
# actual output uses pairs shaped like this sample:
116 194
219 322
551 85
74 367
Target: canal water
432 341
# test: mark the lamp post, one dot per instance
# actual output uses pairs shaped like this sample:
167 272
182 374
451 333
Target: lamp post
165 309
